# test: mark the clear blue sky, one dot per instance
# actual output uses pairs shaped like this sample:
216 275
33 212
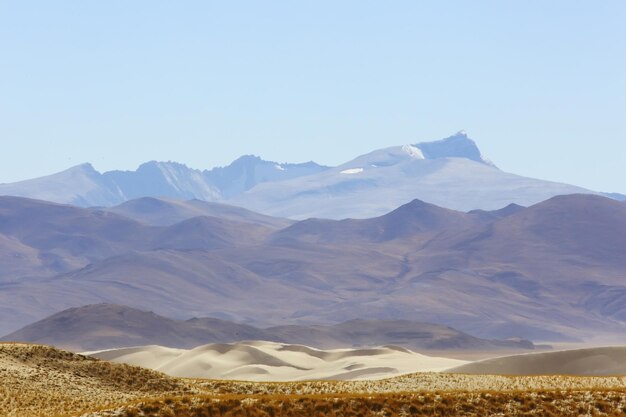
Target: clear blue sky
540 85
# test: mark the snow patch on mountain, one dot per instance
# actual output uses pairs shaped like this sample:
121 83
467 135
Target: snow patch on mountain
413 151
351 171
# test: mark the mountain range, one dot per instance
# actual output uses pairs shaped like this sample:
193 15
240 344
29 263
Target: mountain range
107 326
549 272
451 173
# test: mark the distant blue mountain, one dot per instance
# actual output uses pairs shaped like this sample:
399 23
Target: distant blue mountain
249 170
615 196
450 172
83 186
456 146
163 179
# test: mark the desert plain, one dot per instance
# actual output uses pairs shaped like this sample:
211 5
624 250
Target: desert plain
40 380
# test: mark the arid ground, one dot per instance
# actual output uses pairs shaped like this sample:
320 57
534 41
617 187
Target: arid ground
43 381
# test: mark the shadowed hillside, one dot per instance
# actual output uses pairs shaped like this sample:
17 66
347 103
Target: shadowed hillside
166 212
104 326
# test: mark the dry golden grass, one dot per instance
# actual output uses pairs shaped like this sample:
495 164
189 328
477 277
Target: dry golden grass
419 382
556 403
43 381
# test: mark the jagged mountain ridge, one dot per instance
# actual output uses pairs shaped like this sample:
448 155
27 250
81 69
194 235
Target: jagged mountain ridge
450 173
249 170
83 186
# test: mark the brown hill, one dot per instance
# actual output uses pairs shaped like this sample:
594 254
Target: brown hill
166 212
415 220
55 238
40 381
65 237
208 233
104 326
566 248
410 334
583 226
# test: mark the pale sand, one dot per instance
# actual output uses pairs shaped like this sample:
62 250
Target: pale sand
597 361
270 361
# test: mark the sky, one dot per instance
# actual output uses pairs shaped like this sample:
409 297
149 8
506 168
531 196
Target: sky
539 85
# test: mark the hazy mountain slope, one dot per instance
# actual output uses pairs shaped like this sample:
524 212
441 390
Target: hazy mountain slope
413 335
241 284
521 278
552 271
166 212
174 283
615 196
449 173
536 257
18 259
39 223
162 179
105 326
54 238
554 242
486 215
585 226
81 185
249 170
414 220
377 183
208 233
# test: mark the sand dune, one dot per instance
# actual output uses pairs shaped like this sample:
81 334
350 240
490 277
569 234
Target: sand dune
40 381
599 361
269 361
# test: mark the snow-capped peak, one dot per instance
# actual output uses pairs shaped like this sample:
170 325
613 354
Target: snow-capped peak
413 151
456 146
